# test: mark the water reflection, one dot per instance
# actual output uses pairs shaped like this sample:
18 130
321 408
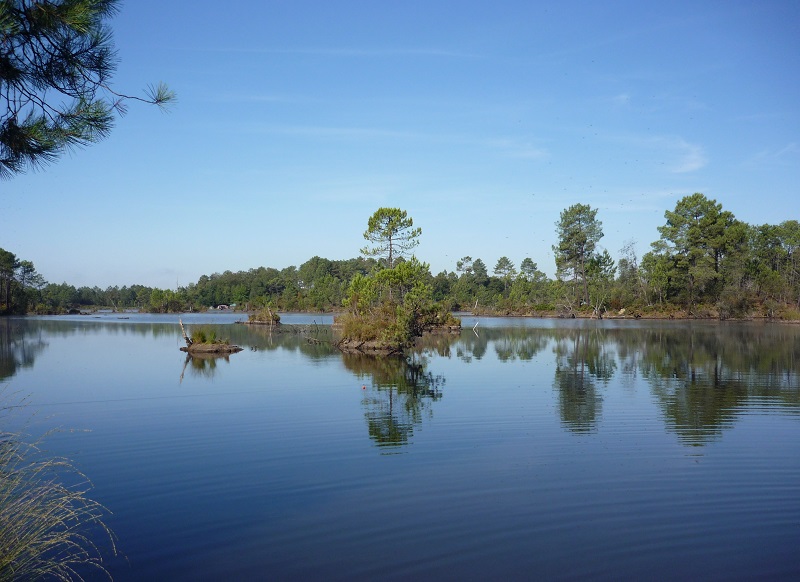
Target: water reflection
400 395
509 344
313 341
702 376
202 365
20 344
582 358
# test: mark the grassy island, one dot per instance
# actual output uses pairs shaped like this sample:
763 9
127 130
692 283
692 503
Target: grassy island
204 340
393 305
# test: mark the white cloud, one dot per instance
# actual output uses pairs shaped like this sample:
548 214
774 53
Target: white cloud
673 152
692 156
628 201
260 98
621 100
344 132
510 147
787 155
529 153
351 52
681 156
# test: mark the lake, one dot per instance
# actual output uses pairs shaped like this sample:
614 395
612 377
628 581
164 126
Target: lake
521 449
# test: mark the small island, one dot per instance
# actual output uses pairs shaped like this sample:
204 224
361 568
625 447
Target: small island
205 341
265 316
388 309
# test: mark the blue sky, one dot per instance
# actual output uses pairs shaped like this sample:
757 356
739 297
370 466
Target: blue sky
296 120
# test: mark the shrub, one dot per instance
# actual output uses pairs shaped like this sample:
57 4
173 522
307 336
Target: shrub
790 314
265 315
734 303
206 335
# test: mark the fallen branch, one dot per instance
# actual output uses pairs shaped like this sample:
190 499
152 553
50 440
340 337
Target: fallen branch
189 341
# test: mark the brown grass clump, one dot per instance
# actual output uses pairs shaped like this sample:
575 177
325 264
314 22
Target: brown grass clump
47 521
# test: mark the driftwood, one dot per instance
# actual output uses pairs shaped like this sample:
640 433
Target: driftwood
189 341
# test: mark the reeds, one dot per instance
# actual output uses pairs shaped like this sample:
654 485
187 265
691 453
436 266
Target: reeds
203 335
207 335
49 528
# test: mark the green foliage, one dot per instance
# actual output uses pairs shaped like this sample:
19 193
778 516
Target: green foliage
735 302
705 258
206 335
165 301
391 232
788 313
19 283
265 315
56 62
464 265
505 270
392 306
600 272
480 272
8 267
578 234
697 237
629 289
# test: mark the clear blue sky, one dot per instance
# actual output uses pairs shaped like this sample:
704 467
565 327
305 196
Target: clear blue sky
296 120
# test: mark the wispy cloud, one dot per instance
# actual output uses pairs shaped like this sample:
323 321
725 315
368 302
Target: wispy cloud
510 147
529 153
628 201
785 156
260 98
761 116
345 133
621 99
692 156
359 52
373 188
680 155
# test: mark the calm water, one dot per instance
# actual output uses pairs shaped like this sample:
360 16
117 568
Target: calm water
526 449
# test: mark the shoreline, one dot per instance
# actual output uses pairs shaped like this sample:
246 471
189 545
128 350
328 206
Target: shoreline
676 316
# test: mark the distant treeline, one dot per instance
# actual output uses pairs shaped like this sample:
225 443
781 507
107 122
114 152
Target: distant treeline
706 263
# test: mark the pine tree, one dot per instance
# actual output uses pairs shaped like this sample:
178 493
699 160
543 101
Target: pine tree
56 62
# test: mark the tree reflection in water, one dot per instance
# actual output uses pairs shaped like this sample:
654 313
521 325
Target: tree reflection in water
703 376
202 365
582 358
20 344
400 395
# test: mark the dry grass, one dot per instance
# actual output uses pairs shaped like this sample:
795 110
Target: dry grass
49 528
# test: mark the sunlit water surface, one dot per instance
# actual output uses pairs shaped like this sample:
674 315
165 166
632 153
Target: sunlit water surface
523 449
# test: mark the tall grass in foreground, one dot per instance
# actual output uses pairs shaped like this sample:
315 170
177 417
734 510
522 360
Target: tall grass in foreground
47 522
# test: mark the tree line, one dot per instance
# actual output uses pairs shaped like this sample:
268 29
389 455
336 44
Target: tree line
705 263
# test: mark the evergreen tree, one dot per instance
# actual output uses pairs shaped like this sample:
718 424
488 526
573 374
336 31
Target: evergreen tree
578 234
505 270
56 62
392 232
697 236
